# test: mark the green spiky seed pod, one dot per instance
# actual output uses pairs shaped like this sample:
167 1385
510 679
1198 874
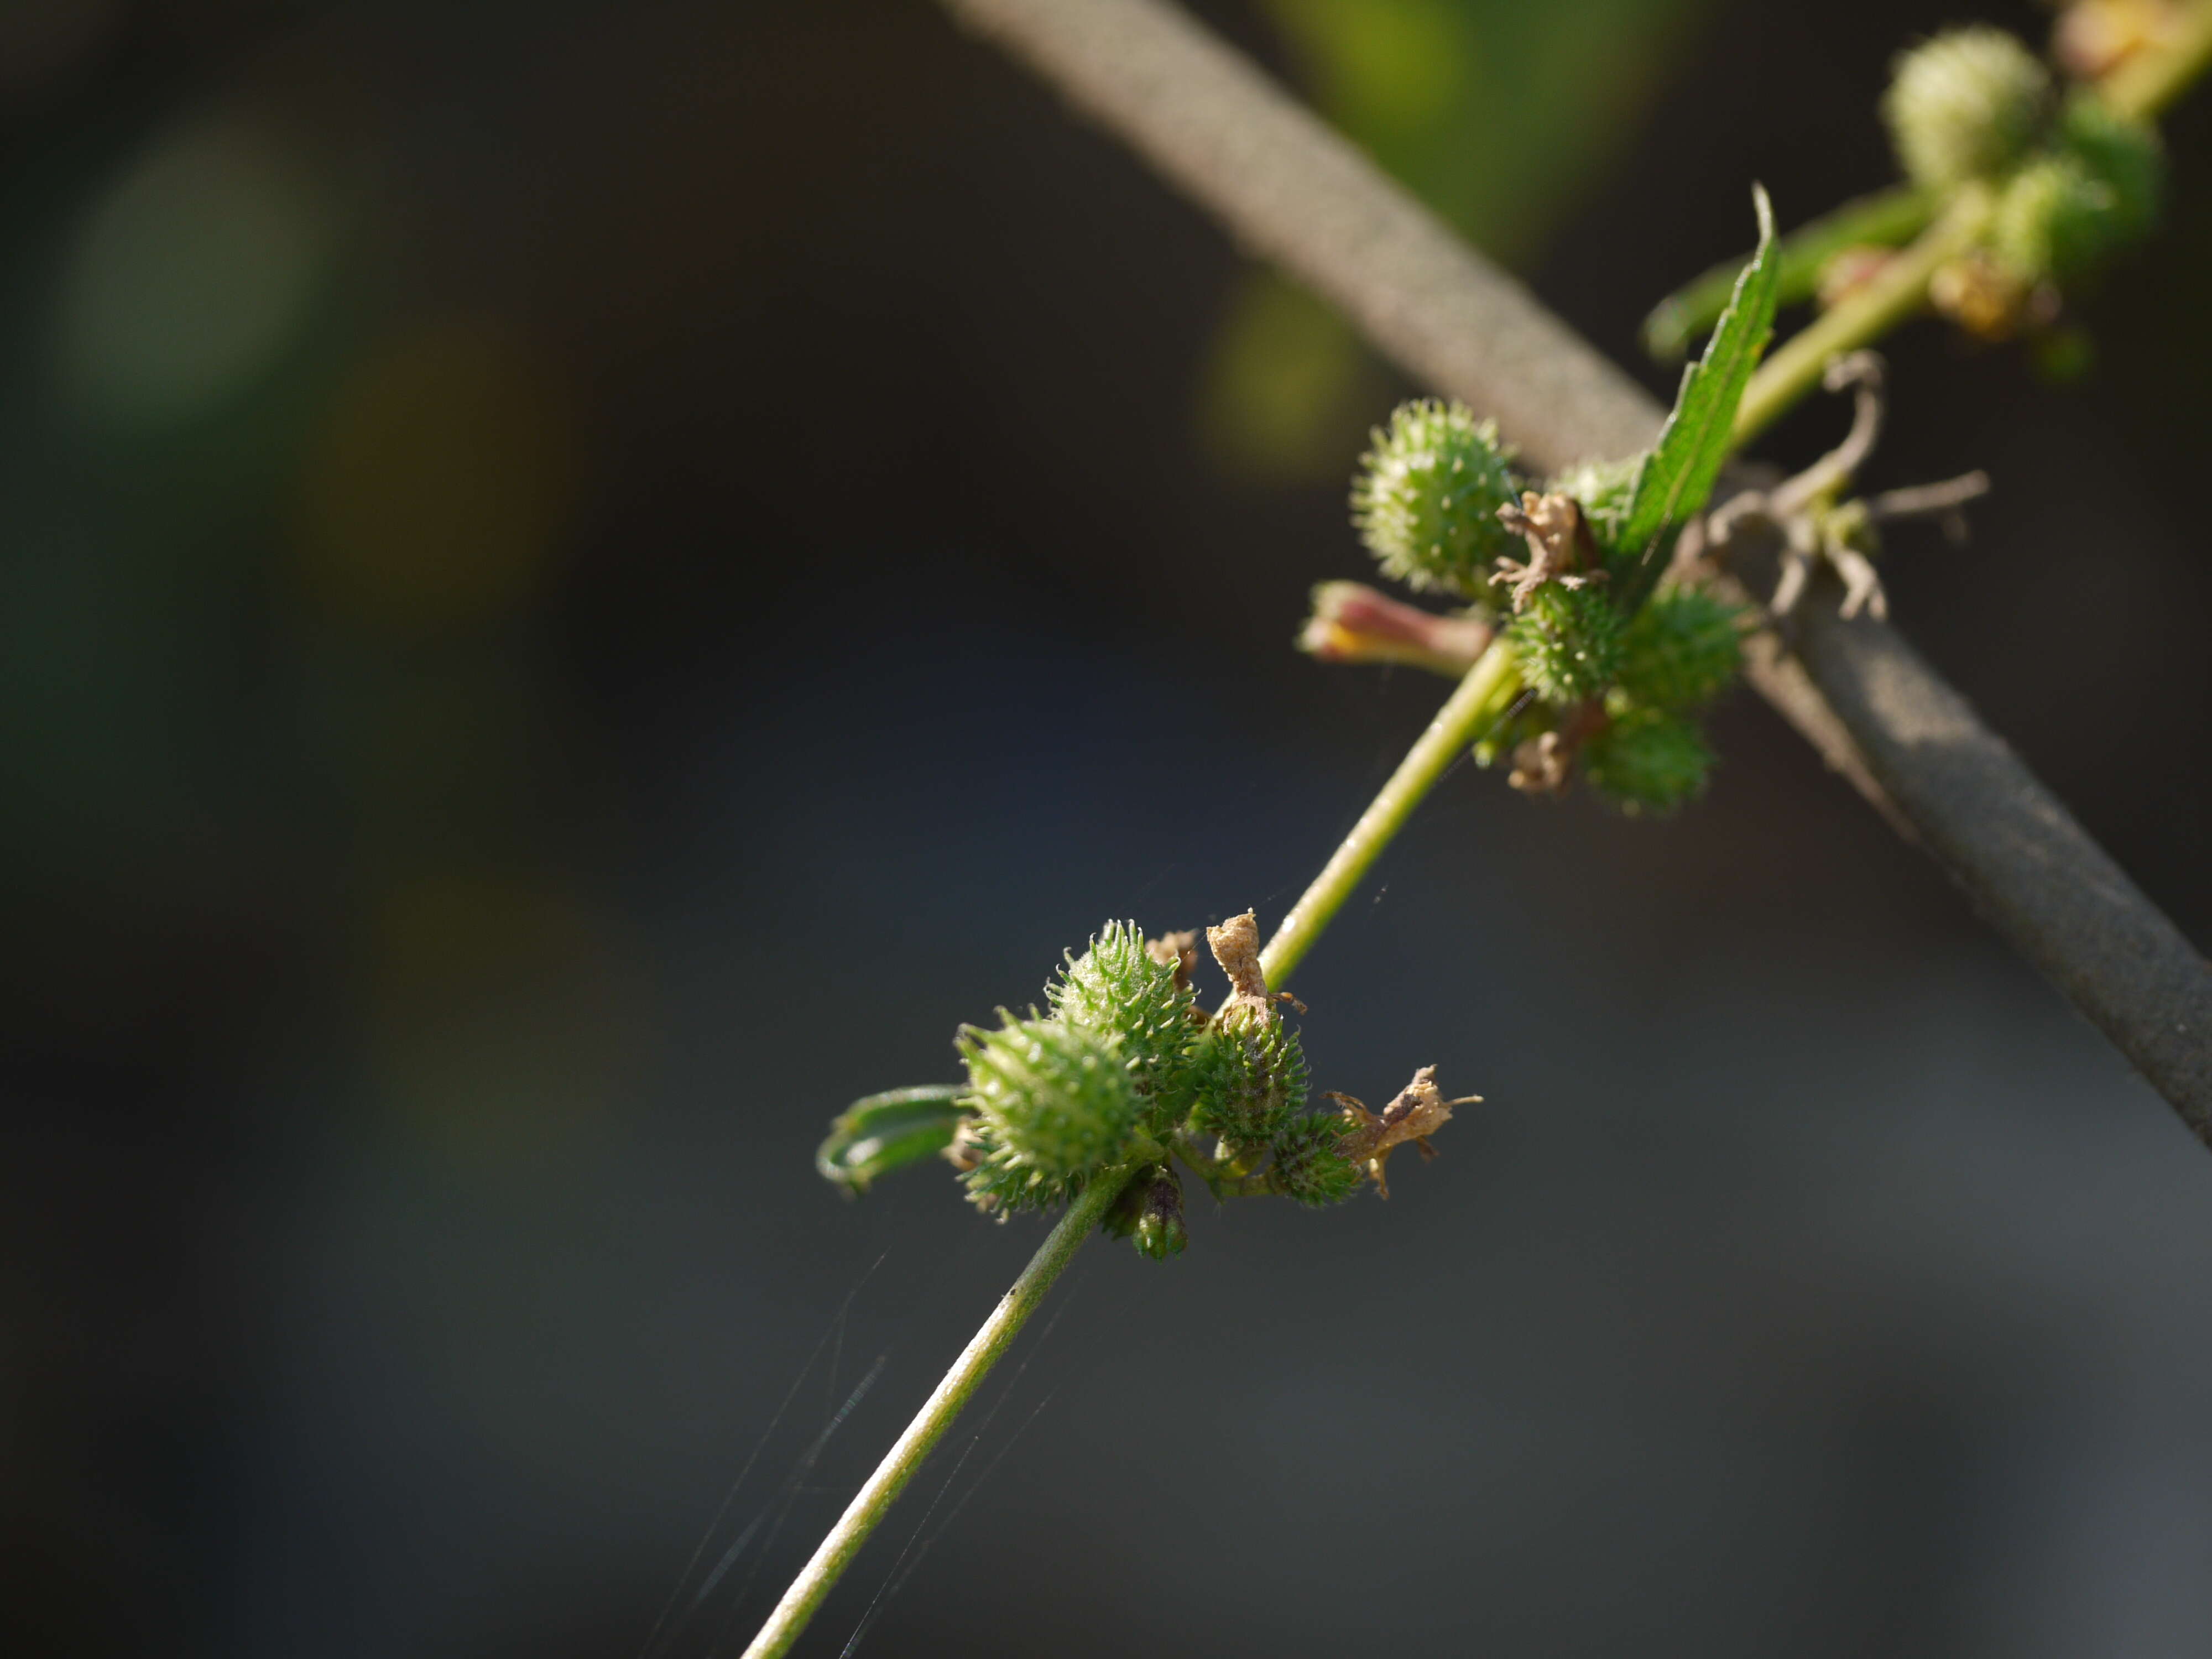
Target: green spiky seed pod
1427 498
2065 213
1309 1167
1249 1074
1056 1100
1601 490
1116 986
1000 1181
1647 760
2047 205
1681 650
1964 104
1569 642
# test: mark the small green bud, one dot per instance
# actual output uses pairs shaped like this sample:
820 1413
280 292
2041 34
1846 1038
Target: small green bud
2063 214
1602 491
1160 1231
1681 650
1648 759
1427 498
1149 1213
1310 1164
1964 104
1057 1101
1121 987
1569 642
2044 205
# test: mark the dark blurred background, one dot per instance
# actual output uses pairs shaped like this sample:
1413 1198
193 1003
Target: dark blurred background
583 581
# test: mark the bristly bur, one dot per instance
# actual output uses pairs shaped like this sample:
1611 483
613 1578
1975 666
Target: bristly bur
1598 638
1124 1077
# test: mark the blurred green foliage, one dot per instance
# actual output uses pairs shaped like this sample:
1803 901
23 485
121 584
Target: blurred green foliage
1497 114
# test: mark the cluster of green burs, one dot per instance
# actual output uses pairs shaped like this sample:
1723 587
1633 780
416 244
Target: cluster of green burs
1124 1073
1621 684
2074 181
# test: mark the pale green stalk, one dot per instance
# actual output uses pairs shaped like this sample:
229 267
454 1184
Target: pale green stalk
874 1500
1484 694
1895 292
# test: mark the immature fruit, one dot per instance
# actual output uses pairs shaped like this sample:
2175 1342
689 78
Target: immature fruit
1309 1165
1119 987
1680 651
1601 490
1647 760
1057 1101
1249 1074
1568 640
2063 214
1964 104
1427 498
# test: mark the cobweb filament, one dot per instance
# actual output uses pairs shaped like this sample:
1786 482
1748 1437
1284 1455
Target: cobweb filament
663 1633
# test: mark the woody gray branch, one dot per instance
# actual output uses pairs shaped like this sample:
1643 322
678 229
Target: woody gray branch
1291 190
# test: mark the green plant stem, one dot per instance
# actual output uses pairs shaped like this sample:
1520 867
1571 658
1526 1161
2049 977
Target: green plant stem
984 1350
1487 690
2142 87
1895 292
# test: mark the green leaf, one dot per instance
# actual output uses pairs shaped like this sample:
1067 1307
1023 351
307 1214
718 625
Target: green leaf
1889 218
1678 475
874 1136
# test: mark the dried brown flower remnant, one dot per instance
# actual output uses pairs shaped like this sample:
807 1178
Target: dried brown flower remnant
1176 950
1418 1112
1235 945
1553 527
967 1148
1988 301
1542 765
1545 764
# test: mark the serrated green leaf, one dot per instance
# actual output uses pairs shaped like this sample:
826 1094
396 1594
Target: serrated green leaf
1678 475
874 1136
1888 218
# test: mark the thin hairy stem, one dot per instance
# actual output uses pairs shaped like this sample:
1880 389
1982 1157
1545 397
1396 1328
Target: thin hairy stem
984 1350
1483 697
